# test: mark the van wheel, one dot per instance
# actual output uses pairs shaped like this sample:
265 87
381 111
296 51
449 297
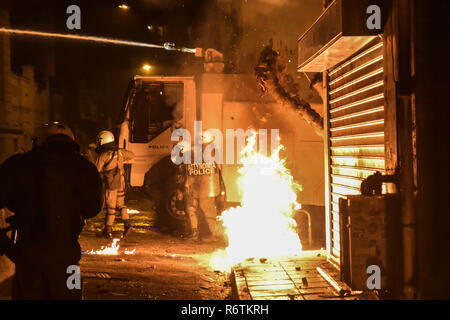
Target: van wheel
173 207
160 184
174 219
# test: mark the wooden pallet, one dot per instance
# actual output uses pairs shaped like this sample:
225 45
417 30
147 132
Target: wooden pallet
290 278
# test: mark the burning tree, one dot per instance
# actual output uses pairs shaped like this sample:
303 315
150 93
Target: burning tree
274 79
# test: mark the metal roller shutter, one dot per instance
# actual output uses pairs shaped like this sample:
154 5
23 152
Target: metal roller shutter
355 113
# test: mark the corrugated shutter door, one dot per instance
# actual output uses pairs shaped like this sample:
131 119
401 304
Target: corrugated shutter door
356 128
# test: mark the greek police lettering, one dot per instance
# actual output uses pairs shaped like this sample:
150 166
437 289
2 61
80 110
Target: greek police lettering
201 169
198 310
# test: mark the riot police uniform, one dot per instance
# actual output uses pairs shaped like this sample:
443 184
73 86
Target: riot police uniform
110 165
204 195
51 190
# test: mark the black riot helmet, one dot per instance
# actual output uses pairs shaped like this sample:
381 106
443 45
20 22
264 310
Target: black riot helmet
42 133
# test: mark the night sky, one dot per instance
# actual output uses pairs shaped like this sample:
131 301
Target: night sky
83 73
99 73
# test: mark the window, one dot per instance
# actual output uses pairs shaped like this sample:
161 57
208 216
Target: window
156 107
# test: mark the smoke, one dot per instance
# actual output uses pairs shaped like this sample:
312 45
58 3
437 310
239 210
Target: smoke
279 3
162 4
241 28
284 21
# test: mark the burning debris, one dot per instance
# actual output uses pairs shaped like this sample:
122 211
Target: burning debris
262 227
111 250
274 79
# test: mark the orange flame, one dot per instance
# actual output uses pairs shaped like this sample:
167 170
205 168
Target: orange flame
262 227
132 211
111 250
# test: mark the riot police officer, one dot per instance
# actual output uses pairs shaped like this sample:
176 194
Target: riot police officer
204 193
109 163
51 189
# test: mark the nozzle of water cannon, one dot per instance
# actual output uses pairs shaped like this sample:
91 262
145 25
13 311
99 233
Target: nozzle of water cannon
199 52
169 46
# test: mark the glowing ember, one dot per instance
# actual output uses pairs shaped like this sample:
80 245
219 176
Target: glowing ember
112 250
262 226
132 211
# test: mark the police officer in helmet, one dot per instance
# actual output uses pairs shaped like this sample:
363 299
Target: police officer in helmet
109 163
51 189
204 194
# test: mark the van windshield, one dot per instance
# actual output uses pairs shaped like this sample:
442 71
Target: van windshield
156 107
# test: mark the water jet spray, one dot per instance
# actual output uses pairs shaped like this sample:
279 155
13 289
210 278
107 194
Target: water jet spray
169 46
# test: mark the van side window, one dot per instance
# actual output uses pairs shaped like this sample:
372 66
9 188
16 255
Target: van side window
156 107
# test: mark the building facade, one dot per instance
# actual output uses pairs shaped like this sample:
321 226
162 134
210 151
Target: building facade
23 103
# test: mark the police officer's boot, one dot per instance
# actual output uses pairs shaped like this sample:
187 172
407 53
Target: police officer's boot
107 232
195 235
126 228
